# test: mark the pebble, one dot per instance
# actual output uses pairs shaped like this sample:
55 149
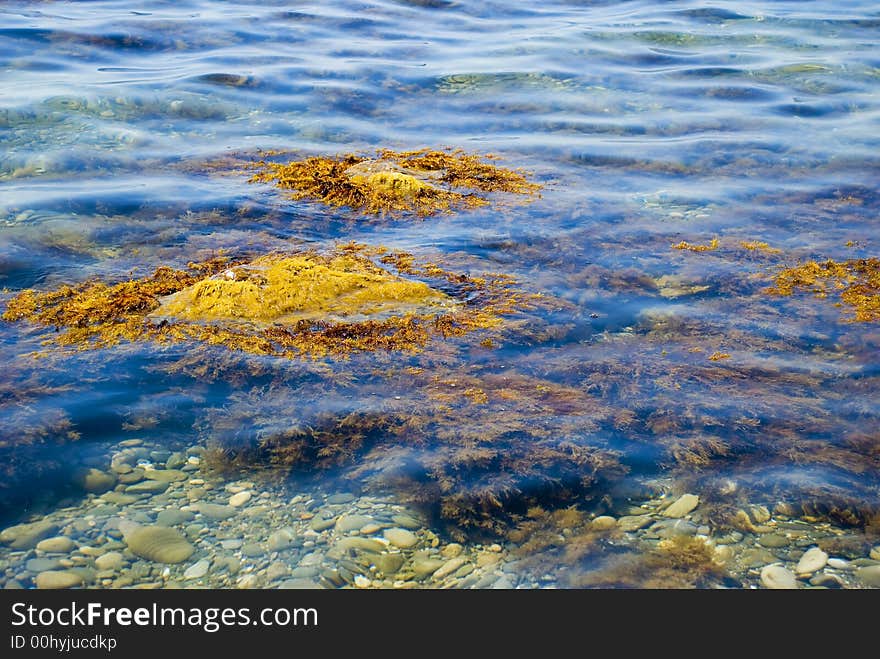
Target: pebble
389 564
634 522
363 544
54 579
321 524
160 544
401 538
95 480
870 575
252 549
839 564
682 506
215 511
280 540
112 560
777 577
165 475
362 582
340 498
875 553
232 544
240 498
449 567
148 486
823 580
424 567
279 569
26 536
451 550
406 522
349 523
603 523
773 540
118 498
59 544
173 517
197 570
41 564
813 560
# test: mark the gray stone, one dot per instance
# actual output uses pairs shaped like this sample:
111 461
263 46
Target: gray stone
112 560
357 543
340 498
388 564
319 523
402 538
280 539
239 499
42 564
870 575
875 553
54 579
197 570
95 480
172 517
673 528
26 536
823 580
682 506
634 522
279 569
232 543
349 523
304 572
216 511
175 460
755 556
839 564
773 540
119 498
424 567
165 475
252 549
603 523
160 544
58 545
777 577
813 560
148 486
449 567
406 522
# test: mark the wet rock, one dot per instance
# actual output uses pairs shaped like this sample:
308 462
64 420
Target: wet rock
26 536
389 564
59 544
55 579
402 538
172 517
112 560
340 498
299 584
165 475
252 549
869 576
449 567
875 553
197 570
349 523
755 556
452 550
406 522
95 480
357 543
215 511
175 460
826 581
118 498
42 564
634 522
150 486
240 498
773 540
424 567
603 523
777 577
839 564
160 544
280 539
813 560
682 506
278 569
319 524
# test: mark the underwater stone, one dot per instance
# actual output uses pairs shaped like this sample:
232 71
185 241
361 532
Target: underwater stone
55 579
95 480
813 560
165 475
240 498
349 523
215 511
112 560
603 523
26 536
59 544
159 544
870 575
777 577
682 506
401 538
148 486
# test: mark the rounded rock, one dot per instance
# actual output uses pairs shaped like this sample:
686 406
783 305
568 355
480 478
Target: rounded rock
160 544
870 575
240 498
682 506
777 577
54 579
59 544
603 523
112 560
813 560
401 538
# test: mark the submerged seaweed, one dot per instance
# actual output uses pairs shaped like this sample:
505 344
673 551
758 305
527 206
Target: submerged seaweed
278 304
423 181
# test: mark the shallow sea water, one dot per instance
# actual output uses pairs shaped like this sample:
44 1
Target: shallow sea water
648 372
